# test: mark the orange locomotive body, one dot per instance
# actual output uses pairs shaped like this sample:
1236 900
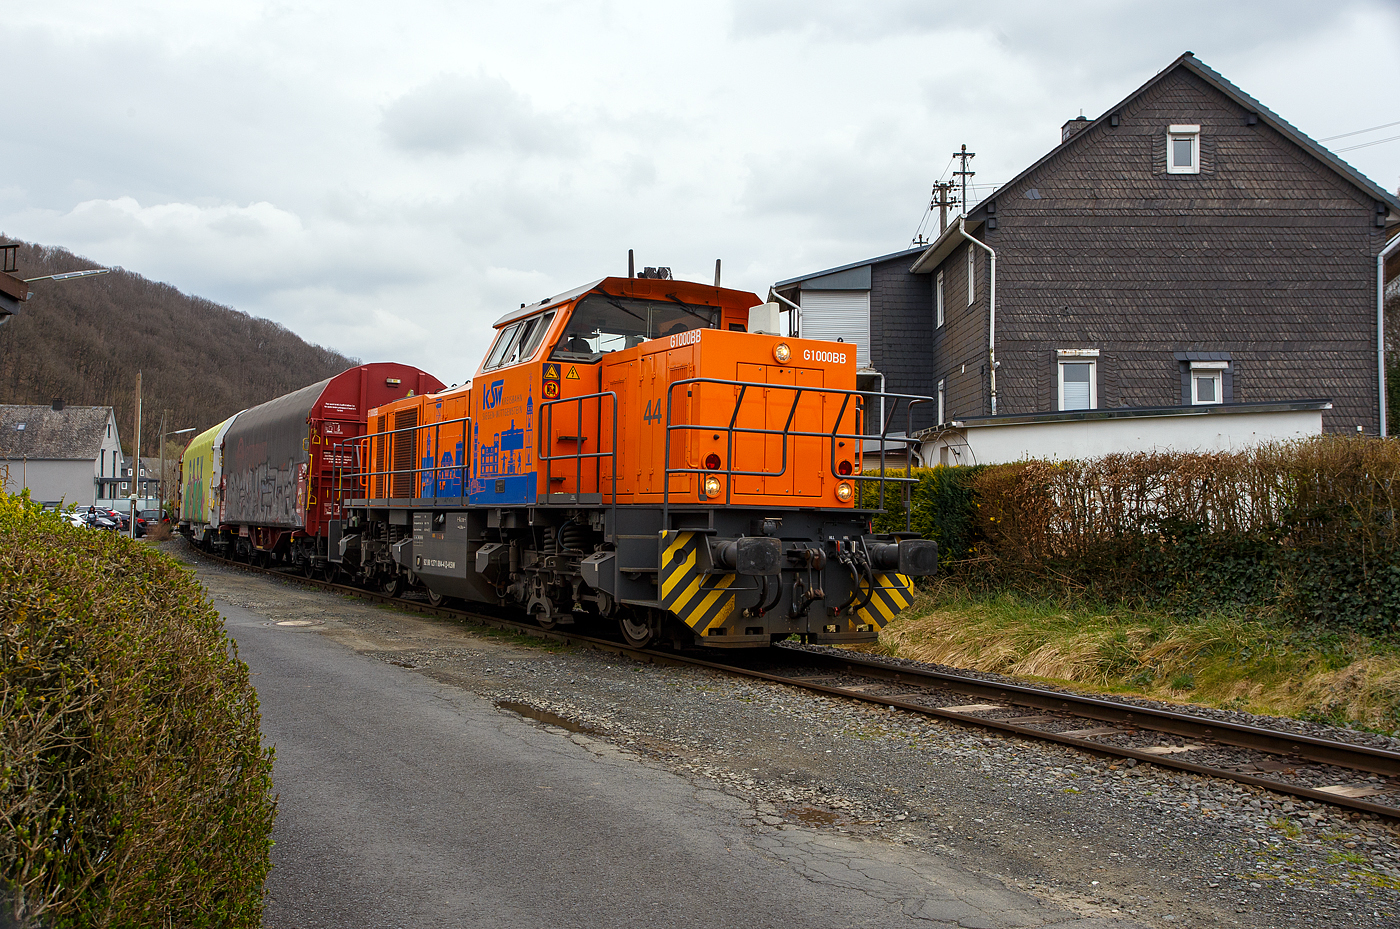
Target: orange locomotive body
630 450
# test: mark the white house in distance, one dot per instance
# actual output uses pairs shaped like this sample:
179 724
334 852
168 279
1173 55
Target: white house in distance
63 454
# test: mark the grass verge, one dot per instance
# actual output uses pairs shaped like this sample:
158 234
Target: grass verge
1234 661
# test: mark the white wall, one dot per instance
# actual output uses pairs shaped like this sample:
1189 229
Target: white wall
996 444
51 481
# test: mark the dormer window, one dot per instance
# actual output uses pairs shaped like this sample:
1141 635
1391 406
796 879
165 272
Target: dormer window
1184 150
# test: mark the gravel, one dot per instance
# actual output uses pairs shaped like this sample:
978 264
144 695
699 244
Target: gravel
1101 838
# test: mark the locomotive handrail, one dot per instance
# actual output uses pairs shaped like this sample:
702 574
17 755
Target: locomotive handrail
369 471
547 429
787 433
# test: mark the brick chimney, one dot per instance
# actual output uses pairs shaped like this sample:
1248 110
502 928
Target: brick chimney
1072 128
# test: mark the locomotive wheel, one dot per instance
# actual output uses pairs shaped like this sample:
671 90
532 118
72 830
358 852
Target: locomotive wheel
392 587
638 632
328 572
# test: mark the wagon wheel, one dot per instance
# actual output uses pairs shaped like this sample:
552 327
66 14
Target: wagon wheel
392 586
328 572
638 632
435 599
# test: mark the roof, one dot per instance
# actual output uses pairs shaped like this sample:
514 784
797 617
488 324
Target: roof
1144 412
530 309
943 246
855 264
1267 116
71 434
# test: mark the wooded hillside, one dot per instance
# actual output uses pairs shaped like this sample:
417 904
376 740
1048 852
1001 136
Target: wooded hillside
85 339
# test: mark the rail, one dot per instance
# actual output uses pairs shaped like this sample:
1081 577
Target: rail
788 433
455 476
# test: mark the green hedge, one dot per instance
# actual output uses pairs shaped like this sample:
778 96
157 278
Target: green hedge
944 508
1306 530
134 788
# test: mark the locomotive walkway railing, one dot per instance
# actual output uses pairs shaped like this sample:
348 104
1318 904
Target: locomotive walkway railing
436 477
787 433
578 456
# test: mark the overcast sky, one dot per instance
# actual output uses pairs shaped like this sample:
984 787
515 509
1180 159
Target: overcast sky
386 179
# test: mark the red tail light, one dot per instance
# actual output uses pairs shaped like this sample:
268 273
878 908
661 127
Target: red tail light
712 462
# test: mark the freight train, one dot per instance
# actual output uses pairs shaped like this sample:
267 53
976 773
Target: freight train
644 453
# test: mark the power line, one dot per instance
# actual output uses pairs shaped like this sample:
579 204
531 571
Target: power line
1352 148
1333 138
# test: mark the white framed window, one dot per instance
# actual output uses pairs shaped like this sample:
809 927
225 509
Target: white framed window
1184 150
941 417
938 301
1078 377
971 275
1208 382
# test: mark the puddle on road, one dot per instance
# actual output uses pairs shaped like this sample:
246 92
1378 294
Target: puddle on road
811 816
542 716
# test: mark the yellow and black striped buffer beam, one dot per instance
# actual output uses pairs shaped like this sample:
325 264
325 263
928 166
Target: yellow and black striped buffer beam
700 599
893 594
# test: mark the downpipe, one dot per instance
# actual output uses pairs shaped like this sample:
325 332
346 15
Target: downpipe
991 308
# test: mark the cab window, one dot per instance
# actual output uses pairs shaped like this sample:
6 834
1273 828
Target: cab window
602 323
504 343
518 342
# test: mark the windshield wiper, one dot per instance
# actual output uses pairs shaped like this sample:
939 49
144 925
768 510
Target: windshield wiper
625 310
707 317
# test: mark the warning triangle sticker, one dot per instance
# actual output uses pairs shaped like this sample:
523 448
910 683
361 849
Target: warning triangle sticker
551 372
572 375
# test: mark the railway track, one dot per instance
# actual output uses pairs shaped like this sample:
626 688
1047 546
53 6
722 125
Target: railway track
1333 772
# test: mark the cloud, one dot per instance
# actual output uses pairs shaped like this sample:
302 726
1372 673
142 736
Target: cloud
453 114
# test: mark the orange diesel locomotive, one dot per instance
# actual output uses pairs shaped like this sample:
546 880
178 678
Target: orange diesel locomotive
647 451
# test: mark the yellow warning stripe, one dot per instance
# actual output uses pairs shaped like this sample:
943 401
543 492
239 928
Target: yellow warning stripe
679 603
714 595
891 596
681 539
675 577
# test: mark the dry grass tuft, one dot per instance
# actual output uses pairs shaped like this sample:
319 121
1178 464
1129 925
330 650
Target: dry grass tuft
1216 660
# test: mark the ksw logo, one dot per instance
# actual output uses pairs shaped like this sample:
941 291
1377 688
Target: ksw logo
491 397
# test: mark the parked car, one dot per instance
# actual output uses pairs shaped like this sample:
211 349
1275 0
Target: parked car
146 519
99 518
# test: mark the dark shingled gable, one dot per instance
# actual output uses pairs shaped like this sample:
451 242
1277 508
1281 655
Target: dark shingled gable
72 433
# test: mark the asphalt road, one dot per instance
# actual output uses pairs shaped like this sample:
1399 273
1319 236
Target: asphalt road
407 802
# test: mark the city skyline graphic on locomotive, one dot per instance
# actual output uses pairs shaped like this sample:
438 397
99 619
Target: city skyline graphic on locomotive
640 453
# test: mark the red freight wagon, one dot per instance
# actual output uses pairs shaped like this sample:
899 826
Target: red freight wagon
279 460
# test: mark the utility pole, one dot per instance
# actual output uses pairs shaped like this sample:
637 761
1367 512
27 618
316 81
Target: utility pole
160 486
136 463
964 174
941 191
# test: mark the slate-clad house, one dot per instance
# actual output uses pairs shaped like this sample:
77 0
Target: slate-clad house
1186 248
69 454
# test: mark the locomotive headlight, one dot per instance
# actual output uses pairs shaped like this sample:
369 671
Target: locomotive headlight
844 492
781 353
712 486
